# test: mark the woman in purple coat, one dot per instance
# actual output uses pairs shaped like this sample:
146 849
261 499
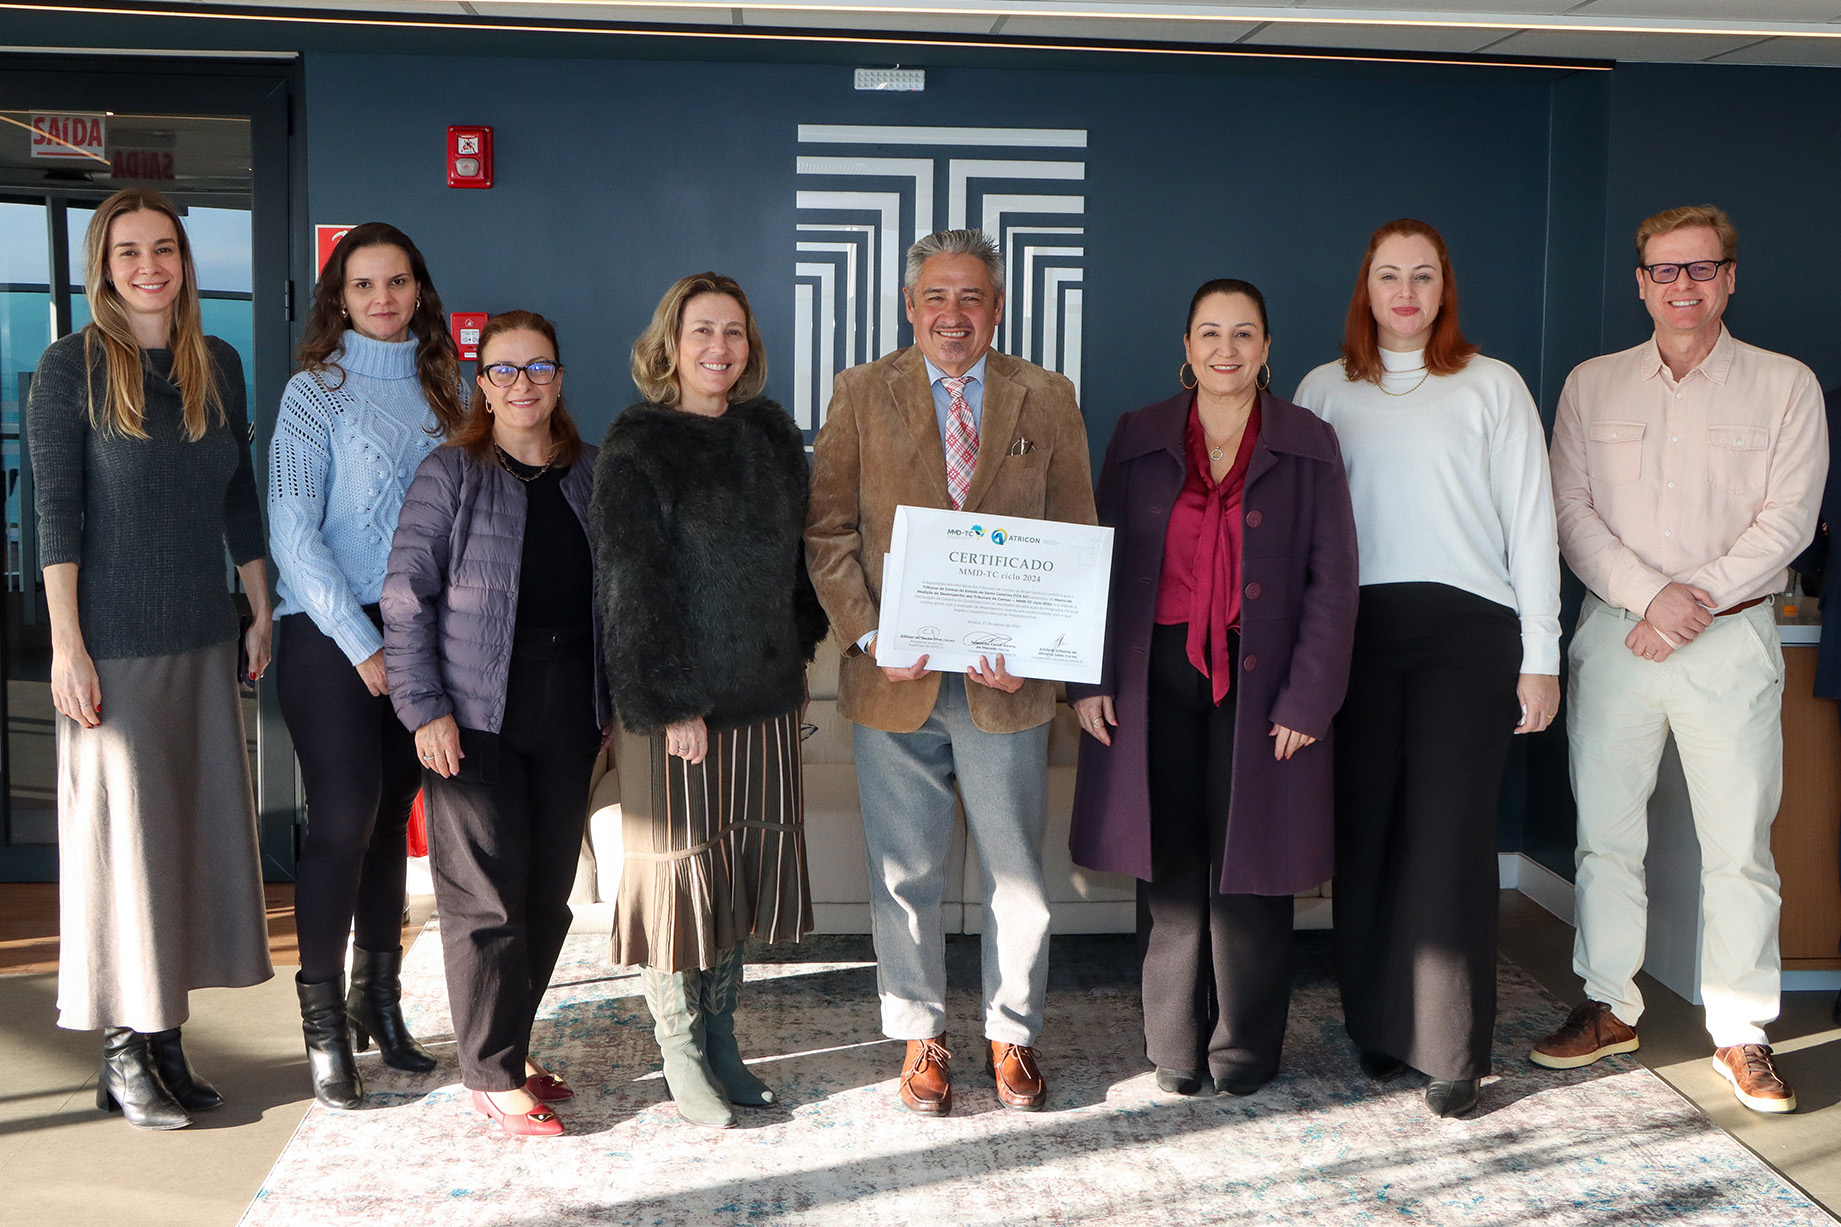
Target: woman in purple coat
490 642
1227 653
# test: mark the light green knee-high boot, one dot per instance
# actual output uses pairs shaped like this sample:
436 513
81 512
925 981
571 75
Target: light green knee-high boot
675 999
722 989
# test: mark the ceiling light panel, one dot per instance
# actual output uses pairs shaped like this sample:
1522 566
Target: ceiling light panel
427 8
663 14
1714 10
1493 10
1791 52
806 19
1380 38
1636 48
1146 31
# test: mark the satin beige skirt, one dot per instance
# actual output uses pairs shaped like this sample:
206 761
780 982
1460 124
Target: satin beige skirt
714 853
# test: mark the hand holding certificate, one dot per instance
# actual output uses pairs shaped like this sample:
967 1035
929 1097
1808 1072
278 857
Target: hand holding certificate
957 586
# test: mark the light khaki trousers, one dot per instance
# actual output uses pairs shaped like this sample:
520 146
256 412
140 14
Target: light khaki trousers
1722 696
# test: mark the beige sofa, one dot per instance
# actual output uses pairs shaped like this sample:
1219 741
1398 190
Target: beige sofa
1081 901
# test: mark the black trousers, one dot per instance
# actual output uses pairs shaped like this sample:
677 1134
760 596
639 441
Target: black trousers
359 766
504 836
1216 968
1420 746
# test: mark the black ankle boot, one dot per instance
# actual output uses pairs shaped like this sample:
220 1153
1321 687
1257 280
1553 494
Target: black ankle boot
129 1083
1451 1096
193 1093
375 1008
329 1051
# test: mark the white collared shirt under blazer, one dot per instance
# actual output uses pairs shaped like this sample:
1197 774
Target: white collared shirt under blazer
1712 480
1448 474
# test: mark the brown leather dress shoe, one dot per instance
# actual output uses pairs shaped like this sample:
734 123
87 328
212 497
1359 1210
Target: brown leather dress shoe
1019 1081
1754 1078
926 1078
1589 1032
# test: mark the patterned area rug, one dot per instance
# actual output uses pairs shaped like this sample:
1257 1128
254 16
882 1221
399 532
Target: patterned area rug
1611 1144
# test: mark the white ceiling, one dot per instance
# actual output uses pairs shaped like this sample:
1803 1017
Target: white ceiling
1805 32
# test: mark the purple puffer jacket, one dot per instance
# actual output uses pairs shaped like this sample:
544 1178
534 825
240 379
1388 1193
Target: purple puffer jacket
450 600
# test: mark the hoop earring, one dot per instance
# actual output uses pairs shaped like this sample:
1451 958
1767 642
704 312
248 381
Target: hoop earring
1180 367
1265 380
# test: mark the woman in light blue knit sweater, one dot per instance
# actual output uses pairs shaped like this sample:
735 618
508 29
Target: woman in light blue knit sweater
378 389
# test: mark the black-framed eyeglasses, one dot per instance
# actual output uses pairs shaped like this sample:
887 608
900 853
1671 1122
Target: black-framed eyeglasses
542 371
1698 270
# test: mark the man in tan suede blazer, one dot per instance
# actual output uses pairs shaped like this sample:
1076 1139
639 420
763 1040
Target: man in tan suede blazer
947 423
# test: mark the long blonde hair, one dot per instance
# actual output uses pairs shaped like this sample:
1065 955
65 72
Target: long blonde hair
124 400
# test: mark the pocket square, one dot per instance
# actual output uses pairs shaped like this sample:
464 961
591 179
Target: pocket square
1022 447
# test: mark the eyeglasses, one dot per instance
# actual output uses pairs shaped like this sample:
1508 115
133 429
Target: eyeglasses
1698 270
542 371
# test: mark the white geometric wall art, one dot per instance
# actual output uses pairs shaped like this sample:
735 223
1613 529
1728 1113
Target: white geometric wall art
866 192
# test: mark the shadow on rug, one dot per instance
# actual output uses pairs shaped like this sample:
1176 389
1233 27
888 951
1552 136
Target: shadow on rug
1611 1144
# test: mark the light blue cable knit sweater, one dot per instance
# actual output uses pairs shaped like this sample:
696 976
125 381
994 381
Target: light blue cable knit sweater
343 456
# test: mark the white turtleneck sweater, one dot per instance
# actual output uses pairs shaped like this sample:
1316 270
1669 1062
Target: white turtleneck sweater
344 452
1449 479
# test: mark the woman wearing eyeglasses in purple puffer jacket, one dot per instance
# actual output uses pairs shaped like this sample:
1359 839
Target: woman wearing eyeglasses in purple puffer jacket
490 638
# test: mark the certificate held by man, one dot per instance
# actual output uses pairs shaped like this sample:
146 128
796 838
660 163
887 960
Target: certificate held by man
957 586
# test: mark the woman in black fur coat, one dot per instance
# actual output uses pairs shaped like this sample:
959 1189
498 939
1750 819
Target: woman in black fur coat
699 504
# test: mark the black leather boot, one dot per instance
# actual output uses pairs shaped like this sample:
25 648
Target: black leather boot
375 1008
129 1083
193 1093
329 1050
1451 1096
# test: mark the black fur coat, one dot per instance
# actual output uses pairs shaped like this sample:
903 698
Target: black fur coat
697 527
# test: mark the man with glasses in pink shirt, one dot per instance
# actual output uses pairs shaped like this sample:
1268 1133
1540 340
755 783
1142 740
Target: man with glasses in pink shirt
1687 472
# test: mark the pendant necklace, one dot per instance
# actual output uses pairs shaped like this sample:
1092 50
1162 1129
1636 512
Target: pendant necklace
1217 450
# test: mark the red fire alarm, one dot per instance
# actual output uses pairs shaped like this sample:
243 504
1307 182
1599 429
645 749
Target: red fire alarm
466 325
469 157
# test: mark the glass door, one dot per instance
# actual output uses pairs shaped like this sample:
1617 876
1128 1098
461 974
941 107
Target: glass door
56 165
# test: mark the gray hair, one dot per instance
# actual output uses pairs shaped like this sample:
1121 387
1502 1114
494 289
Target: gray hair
955 243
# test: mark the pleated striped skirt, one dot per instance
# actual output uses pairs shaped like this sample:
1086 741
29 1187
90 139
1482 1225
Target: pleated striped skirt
715 852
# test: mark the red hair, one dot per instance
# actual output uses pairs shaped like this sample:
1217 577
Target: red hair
1446 350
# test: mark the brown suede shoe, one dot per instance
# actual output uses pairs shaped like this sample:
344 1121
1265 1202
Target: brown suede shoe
1590 1032
1754 1079
1019 1081
926 1078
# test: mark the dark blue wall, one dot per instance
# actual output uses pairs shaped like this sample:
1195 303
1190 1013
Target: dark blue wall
617 177
614 178
1763 144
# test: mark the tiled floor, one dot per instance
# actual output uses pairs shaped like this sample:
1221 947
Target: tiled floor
63 1163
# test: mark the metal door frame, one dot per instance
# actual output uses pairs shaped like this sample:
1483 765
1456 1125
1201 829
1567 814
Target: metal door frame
268 93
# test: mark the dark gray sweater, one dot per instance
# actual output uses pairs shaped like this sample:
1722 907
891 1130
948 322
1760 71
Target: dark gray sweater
145 520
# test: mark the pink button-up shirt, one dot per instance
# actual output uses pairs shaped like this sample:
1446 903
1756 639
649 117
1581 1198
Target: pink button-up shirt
1714 480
